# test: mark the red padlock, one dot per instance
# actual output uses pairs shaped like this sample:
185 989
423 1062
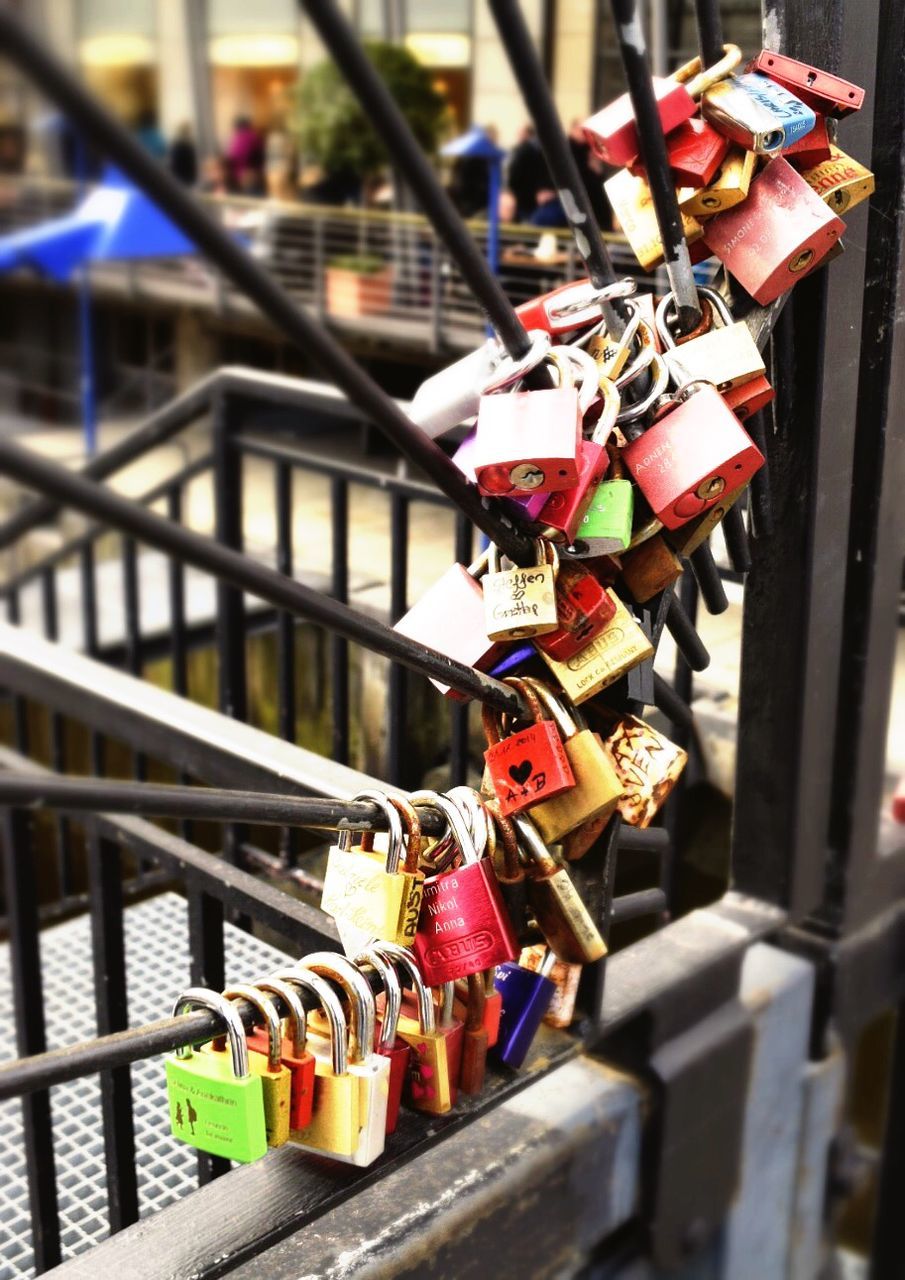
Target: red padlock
449 617
826 93
464 926
693 453
295 1057
563 512
695 151
388 1044
898 802
750 397
493 1004
813 148
782 230
568 308
585 609
528 765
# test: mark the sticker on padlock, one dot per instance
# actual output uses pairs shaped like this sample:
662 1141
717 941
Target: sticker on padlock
648 766
276 1080
612 133
726 355
691 455
584 610
695 151
782 230
464 926
216 1104
757 113
527 995
826 93
840 181
388 1043
294 1054
521 602
620 646
526 766
728 187
812 149
558 908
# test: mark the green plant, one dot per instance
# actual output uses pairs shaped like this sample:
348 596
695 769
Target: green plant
332 128
363 264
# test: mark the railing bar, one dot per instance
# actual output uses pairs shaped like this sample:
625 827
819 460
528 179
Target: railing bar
176 587
286 709
339 647
112 139
631 906
208 969
368 477
710 31
133 646
736 537
397 719
683 631
759 489
57 736
707 575
20 706
109 958
683 680
31 1035
535 90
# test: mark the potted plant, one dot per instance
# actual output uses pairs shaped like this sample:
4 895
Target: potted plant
358 284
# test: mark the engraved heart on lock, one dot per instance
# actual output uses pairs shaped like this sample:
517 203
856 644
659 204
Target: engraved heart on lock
520 773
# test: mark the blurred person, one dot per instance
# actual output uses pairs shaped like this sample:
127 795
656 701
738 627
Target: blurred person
214 176
527 173
469 185
279 160
148 133
549 211
244 153
184 156
252 184
507 207
591 172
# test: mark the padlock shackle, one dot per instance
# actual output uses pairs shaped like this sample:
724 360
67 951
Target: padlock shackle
399 955
508 843
297 1016
447 1003
612 402
565 720
394 823
455 818
532 845
204 998
413 842
660 381
392 990
697 79
333 1010
328 964
269 1016
718 305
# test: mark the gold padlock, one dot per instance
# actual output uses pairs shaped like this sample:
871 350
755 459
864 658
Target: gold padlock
686 540
633 205
618 648
841 181
650 568
519 603
727 188
558 908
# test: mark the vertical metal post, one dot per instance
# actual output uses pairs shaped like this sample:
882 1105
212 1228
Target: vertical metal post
286 710
398 678
339 646
205 919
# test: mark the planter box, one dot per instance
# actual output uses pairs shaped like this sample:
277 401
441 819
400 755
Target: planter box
350 293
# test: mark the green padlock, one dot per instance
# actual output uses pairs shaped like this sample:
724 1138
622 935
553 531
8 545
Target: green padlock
216 1104
607 525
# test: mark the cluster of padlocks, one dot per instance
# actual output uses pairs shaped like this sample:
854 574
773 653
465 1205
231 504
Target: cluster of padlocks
620 452
760 180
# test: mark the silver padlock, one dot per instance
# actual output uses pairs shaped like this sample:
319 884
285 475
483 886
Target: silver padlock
726 355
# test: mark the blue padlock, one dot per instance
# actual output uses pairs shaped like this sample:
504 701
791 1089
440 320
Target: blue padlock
526 996
520 654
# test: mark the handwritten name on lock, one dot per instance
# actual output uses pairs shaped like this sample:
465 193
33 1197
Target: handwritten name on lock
519 593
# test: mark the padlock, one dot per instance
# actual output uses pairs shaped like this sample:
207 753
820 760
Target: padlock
750 397
276 1080
612 133
612 354
529 440
584 610
474 1037
562 513
597 788
369 1069
492 1004
294 1054
606 528
216 1104
726 355
527 996
521 602
633 205
650 568
727 188
782 230
528 764
389 1044
558 908
812 149
686 540
826 93
619 647
336 1121
464 926
840 181
371 891
757 113
694 150
691 455
648 766
428 1086
449 617
571 307
565 978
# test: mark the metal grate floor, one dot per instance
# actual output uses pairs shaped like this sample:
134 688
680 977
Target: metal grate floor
157 961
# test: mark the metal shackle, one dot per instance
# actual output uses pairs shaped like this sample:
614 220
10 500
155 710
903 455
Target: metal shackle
330 1003
457 824
359 994
546 554
268 1011
716 300
204 998
396 846
397 954
568 359
392 991
297 1017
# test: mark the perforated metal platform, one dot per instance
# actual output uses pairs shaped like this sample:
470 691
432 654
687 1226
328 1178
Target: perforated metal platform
158 967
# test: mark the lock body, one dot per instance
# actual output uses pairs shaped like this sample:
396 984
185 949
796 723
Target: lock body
650 568
528 766
618 648
520 603
336 1120
757 113
449 617
563 918
526 999
361 892
464 926
565 978
648 766
813 148
695 151
563 512
584 610
596 792
612 133
690 536
782 230
301 1075
399 1055
840 181
633 205
527 440
826 93
728 187
727 356
606 528
749 397
276 1091
214 1110
690 457
452 395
